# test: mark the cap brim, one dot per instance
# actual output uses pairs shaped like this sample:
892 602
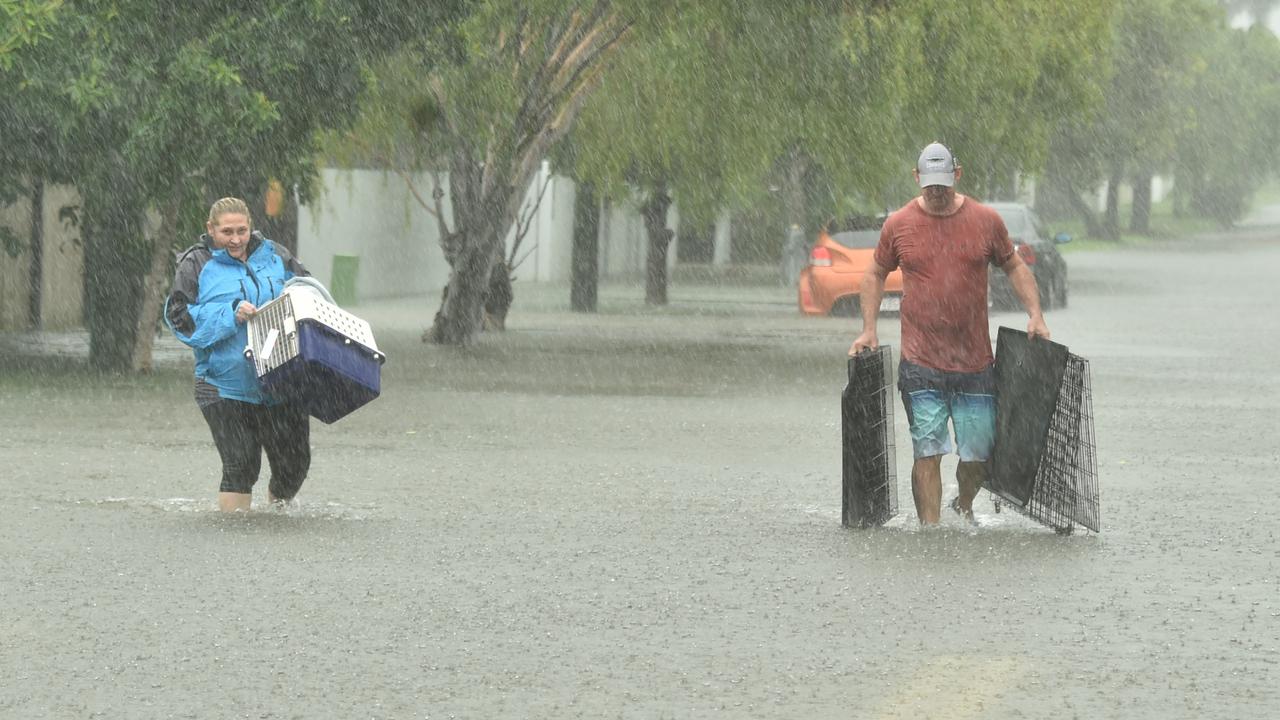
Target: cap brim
927 179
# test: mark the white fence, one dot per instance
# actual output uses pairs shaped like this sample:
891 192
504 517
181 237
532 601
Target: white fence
374 216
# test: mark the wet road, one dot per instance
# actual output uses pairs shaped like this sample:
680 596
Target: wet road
637 515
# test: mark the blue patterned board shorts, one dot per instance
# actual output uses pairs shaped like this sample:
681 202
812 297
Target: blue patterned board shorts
968 399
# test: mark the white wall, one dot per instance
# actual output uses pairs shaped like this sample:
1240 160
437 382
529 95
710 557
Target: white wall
624 244
62 259
372 214
722 240
62 291
1161 186
15 272
546 250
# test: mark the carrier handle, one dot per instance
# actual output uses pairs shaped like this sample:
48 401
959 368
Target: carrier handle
300 281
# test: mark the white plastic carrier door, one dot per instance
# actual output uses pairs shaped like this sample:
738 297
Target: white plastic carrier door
269 344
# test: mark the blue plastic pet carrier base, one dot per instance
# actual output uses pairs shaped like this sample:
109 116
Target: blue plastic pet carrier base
309 352
330 377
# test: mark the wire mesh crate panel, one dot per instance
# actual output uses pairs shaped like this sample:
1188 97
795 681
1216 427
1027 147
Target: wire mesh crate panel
870 491
873 410
272 349
1066 485
1091 514
1045 460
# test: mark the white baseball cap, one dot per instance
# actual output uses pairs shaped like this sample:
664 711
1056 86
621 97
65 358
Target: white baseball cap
936 166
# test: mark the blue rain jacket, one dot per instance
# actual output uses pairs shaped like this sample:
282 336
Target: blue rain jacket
201 309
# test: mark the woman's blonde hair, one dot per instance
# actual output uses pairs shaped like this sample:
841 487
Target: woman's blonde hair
229 205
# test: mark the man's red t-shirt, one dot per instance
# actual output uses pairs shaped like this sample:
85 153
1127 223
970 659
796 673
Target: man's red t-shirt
944 264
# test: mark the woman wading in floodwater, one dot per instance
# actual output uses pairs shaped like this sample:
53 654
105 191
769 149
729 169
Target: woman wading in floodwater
220 282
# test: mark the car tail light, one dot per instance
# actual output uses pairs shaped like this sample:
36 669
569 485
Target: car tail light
1027 253
820 257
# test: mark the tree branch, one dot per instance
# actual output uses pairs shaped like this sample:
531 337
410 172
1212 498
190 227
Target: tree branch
598 24
585 57
524 221
568 42
561 38
437 89
577 88
413 189
518 263
582 79
535 88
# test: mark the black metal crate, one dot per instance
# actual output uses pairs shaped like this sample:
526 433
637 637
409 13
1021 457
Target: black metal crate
870 479
1045 460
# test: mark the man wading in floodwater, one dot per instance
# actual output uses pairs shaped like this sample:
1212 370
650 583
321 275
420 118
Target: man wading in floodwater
944 241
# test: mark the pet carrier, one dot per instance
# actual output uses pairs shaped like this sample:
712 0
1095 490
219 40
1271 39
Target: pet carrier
1045 462
309 351
870 494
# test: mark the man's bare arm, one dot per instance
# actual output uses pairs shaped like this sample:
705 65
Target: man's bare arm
1024 286
869 294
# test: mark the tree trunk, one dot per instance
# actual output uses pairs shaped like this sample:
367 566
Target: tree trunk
114 265
35 305
473 251
1111 217
486 202
498 296
461 312
1092 227
795 247
655 224
793 193
1178 197
584 261
1140 220
154 285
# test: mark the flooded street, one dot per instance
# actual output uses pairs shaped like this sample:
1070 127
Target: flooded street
637 515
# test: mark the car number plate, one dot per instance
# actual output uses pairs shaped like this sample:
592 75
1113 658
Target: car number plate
890 303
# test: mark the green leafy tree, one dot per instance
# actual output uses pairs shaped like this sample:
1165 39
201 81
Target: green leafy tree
485 99
151 109
707 110
838 109
741 96
25 22
995 78
659 128
1228 143
1154 47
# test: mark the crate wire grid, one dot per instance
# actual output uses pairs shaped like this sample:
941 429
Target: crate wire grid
1066 482
870 488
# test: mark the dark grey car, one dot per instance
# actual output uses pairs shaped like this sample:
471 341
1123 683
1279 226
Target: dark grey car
1039 250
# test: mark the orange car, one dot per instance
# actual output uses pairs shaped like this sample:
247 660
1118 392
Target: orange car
829 284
